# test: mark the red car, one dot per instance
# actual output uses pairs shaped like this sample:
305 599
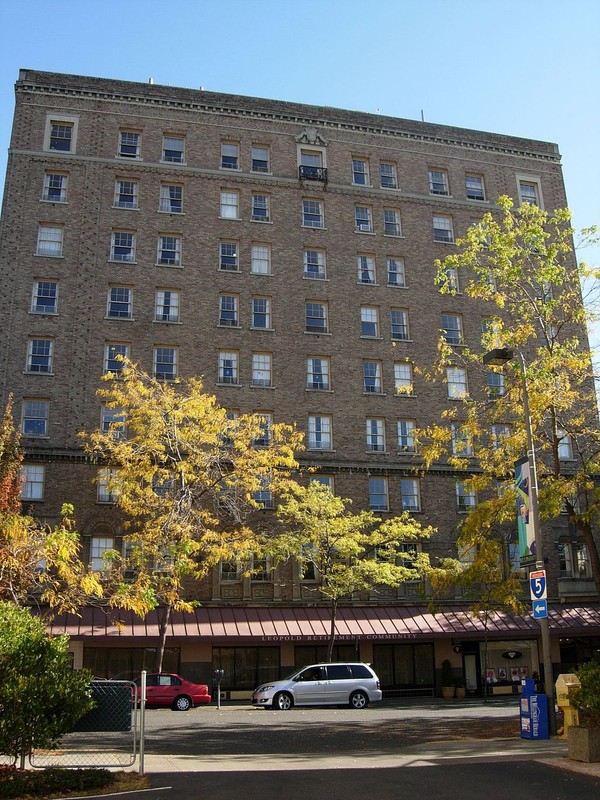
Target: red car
172 691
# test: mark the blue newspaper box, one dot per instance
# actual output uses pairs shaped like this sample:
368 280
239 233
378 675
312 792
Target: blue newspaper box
534 712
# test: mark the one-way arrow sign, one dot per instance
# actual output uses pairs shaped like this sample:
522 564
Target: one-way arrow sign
540 609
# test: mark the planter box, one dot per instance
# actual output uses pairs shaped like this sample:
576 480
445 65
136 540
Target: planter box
583 743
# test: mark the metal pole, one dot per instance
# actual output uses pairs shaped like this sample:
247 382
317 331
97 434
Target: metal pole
142 718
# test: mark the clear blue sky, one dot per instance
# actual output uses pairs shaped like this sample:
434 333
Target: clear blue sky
522 67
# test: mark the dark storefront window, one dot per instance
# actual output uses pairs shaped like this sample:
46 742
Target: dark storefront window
246 667
127 663
405 669
305 654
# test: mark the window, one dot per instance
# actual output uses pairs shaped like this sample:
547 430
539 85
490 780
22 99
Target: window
399 321
312 214
574 560
495 384
325 480
499 433
372 377
366 269
363 219
378 494
369 321
396 275
311 166
260 259
308 567
442 229
44 297
228 310
119 302
114 352
261 207
449 282
126 194
263 438
474 187
391 222
229 257
438 182
229 571
529 192
165 363
452 328
166 307
565 446
112 422
123 247
456 378
55 187
315 315
411 497
317 373
465 498
39 356
33 482
260 568
461 442
262 369
230 155
375 430
228 368
264 498
261 313
106 486
230 205
171 198
169 251
173 149
130 144
100 545
314 264
50 241
403 378
406 435
34 418
61 136
388 175
319 433
360 172
260 158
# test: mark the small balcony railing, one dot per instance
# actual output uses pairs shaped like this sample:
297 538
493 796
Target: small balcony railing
312 173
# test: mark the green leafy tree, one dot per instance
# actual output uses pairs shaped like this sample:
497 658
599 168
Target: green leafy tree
187 477
11 457
348 552
41 696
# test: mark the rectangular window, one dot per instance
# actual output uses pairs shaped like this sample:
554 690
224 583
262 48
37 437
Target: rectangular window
126 194
325 480
130 144
228 368
499 433
461 443
264 498
317 373
452 328
391 222
261 313
466 499
369 321
319 433
311 166
50 241
106 489
360 172
263 438
173 149
34 419
55 187
119 302
262 369
114 352
261 208
100 545
411 496
456 378
165 363
171 198
33 482
378 494
166 306
375 430
363 219
366 269
169 251
403 378
438 182
229 571
565 446
372 377
388 175
399 322
396 275
39 356
449 282
314 264
230 155
261 259
61 136
315 317
474 187
312 214
495 384
260 568
230 205
442 229
112 422
44 297
123 247
228 310
229 257
260 158
529 192
406 435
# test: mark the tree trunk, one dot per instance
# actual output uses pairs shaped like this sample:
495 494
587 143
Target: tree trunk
332 630
164 624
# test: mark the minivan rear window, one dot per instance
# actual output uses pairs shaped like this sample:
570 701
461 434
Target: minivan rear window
360 671
338 672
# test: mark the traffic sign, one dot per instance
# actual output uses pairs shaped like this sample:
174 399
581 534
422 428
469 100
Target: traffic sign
540 609
537 585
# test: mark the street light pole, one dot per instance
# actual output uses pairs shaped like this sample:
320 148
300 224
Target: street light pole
500 357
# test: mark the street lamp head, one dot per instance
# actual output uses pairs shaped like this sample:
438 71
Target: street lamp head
498 357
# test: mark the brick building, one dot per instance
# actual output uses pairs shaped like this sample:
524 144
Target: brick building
286 253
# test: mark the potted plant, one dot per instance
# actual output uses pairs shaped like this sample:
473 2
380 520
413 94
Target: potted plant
447 679
584 739
460 686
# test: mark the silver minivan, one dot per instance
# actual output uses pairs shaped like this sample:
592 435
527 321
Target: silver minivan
342 683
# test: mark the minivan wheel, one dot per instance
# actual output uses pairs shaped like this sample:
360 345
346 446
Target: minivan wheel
359 700
283 701
182 703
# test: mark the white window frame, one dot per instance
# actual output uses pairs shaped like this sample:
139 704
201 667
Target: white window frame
475 187
261 207
130 144
167 305
171 153
228 374
230 571
42 367
375 433
531 182
50 241
405 429
262 370
495 385
369 321
265 162
443 229
565 446
105 476
119 302
318 375
403 378
113 422
127 256
315 264
70 122
126 193
229 310
400 327
35 413
456 377
260 259
388 175
410 493
320 432
379 493
41 290
55 187
168 250
372 377
113 349
230 155
366 269
165 362
360 172
34 478
392 225
452 329
230 204
363 219
439 184
466 498
169 202
396 272
312 306
261 312
462 445
313 214
230 259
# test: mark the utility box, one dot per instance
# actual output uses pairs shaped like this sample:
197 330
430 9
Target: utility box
534 712
564 685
